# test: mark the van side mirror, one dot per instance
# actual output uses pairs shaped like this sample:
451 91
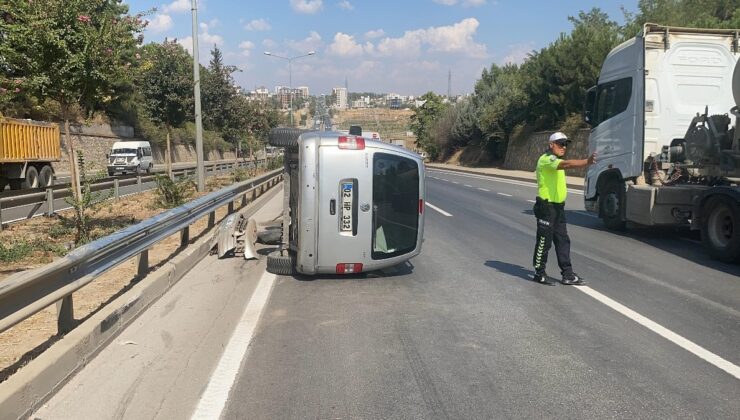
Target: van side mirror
355 130
588 108
106 156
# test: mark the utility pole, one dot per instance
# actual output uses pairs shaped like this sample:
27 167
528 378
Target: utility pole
290 75
449 85
198 117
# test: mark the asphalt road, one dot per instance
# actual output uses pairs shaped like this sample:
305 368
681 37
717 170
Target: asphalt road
460 332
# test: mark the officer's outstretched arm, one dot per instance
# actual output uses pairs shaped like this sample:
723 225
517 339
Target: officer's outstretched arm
577 163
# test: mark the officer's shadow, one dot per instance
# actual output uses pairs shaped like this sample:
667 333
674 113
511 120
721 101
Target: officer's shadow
511 269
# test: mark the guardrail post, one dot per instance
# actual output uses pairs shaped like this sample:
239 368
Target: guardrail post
244 200
138 182
142 263
49 202
65 315
1 217
211 219
116 193
231 207
184 237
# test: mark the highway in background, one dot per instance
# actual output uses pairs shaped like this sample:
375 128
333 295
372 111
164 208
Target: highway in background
460 332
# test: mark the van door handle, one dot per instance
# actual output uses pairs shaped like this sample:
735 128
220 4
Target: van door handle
332 206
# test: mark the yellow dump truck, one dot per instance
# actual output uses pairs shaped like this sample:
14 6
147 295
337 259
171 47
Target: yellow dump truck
27 149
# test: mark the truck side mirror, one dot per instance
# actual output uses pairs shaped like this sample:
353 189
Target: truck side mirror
106 156
588 108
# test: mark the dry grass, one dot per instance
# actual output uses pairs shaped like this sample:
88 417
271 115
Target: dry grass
24 341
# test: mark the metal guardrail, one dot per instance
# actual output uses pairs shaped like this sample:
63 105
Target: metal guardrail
46 202
25 294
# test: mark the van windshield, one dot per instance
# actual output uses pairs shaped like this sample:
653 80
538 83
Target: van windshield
123 152
395 205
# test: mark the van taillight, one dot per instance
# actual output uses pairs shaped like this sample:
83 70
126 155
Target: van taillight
351 143
349 268
421 206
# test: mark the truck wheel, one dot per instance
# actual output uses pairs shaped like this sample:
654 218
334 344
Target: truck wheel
281 263
46 177
32 178
285 137
611 203
720 230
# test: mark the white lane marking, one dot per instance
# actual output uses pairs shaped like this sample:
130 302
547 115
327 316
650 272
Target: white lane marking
505 195
585 213
213 400
531 201
531 184
669 335
433 207
469 186
483 189
454 182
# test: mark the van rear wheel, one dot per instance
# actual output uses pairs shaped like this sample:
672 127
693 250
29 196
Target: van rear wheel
281 263
285 137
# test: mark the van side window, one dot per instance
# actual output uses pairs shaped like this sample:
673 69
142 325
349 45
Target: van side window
612 99
147 151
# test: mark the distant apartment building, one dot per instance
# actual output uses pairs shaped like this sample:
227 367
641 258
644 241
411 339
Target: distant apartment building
303 91
259 94
341 94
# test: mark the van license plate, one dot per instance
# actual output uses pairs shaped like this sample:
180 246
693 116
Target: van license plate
348 194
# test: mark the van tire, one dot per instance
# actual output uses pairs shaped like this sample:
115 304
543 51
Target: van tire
720 228
282 264
284 137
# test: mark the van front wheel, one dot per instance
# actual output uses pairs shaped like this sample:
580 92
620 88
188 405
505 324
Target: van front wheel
281 263
284 137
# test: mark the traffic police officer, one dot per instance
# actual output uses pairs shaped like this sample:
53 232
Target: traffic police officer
549 209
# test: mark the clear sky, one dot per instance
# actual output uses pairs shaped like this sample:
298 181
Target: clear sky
400 46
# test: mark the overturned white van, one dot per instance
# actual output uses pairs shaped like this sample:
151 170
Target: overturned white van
352 204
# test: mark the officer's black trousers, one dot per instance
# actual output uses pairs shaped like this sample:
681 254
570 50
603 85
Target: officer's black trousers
551 228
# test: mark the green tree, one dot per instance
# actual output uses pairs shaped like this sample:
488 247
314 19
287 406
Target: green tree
218 93
72 51
165 84
686 13
421 122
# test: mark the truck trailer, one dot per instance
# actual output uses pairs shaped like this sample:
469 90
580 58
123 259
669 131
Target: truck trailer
27 149
664 120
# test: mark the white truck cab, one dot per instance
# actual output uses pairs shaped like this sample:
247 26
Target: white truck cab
660 124
130 157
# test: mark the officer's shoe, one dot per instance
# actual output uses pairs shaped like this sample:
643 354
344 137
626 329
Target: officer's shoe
543 279
573 279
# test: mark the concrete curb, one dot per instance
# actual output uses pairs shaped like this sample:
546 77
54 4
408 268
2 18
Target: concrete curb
515 178
26 390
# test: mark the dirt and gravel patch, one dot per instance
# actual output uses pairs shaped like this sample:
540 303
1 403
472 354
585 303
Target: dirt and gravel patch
39 241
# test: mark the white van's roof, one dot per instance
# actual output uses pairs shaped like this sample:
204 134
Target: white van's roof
130 144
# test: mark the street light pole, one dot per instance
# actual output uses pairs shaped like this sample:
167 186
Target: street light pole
198 118
290 76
